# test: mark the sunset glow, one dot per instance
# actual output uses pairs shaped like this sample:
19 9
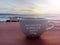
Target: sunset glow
30 7
54 4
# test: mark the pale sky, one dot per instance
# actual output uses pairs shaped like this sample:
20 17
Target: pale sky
30 6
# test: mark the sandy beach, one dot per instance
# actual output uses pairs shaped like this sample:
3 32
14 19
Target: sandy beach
11 34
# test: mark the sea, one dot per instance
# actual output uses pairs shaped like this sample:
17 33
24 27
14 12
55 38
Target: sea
4 17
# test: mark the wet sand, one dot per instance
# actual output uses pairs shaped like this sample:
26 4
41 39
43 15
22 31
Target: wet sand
11 34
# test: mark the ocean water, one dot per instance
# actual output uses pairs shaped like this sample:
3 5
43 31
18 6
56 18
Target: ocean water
4 17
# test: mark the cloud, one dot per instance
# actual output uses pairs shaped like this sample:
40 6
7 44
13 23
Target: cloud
21 6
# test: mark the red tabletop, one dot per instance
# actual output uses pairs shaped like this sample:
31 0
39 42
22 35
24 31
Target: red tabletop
11 34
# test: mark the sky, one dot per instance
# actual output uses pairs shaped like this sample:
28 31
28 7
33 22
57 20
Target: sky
30 6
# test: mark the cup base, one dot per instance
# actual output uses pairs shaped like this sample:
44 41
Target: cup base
32 37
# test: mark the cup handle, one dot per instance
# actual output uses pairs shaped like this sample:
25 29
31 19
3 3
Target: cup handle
52 26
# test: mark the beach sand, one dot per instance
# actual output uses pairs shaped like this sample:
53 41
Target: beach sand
11 34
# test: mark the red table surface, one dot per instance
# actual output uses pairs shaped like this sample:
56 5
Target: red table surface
11 34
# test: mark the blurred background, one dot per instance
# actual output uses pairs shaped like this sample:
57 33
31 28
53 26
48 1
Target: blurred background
13 9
